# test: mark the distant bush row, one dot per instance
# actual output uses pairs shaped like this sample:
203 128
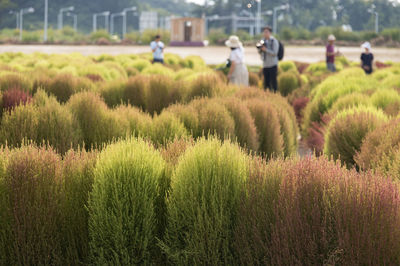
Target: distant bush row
203 203
259 121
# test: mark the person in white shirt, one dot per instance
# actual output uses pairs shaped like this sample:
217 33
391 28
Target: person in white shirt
157 46
238 73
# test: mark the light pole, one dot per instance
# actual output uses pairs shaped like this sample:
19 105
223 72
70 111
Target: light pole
372 10
60 15
75 17
121 14
21 19
106 15
258 22
129 9
276 9
17 17
46 15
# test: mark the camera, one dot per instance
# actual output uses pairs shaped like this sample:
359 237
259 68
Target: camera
260 45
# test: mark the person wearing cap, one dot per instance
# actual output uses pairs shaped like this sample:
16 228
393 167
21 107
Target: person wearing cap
269 56
330 53
157 47
367 58
238 73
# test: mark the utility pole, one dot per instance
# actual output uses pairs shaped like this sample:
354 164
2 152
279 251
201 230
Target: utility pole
60 15
258 22
21 19
372 10
46 13
129 9
75 18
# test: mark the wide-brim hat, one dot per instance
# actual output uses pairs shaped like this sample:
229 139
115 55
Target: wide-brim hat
233 42
366 45
331 37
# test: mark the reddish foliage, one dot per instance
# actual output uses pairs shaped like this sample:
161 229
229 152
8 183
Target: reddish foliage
15 97
299 104
301 67
380 65
95 77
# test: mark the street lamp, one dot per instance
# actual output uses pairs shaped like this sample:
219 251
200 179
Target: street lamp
106 15
276 9
60 15
17 17
258 21
46 16
75 17
372 10
129 9
121 14
22 12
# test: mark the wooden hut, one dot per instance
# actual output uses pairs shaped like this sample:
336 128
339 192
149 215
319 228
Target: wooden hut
187 32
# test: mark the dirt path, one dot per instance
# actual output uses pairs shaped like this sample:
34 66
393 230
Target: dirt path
212 55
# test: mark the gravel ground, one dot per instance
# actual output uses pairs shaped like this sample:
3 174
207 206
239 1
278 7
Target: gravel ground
212 55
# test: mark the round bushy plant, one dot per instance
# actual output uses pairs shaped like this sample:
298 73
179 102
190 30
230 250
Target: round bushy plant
188 114
254 79
165 128
387 100
202 206
347 131
126 205
58 128
98 124
245 128
286 66
139 122
14 97
288 82
205 86
349 101
215 119
15 81
162 91
268 127
113 92
135 91
33 179
380 146
19 125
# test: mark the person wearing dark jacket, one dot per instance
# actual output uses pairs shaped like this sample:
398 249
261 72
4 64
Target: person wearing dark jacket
367 58
269 56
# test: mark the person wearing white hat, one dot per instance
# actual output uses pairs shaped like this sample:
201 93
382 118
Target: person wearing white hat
238 73
330 53
367 58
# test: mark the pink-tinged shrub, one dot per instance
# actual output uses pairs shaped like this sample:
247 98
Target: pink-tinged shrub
268 127
315 139
33 180
245 128
346 132
14 97
135 91
379 147
162 91
299 105
314 212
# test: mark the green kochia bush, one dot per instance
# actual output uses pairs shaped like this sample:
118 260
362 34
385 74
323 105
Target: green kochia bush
288 82
97 123
347 131
165 128
202 206
126 207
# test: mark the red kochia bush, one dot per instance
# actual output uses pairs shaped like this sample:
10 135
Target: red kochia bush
318 214
14 97
299 104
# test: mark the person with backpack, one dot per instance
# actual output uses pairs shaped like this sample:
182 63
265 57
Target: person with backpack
268 49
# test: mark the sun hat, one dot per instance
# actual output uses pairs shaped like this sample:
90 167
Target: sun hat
366 45
331 37
233 42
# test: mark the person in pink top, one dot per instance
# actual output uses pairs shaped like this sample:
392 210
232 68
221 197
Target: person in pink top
330 54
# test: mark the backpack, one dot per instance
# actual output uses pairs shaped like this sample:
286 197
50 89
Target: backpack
281 51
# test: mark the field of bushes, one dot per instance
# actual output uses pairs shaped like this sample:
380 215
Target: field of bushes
114 160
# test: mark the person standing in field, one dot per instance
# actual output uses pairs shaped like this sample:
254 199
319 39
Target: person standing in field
269 56
157 46
367 58
330 53
238 73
